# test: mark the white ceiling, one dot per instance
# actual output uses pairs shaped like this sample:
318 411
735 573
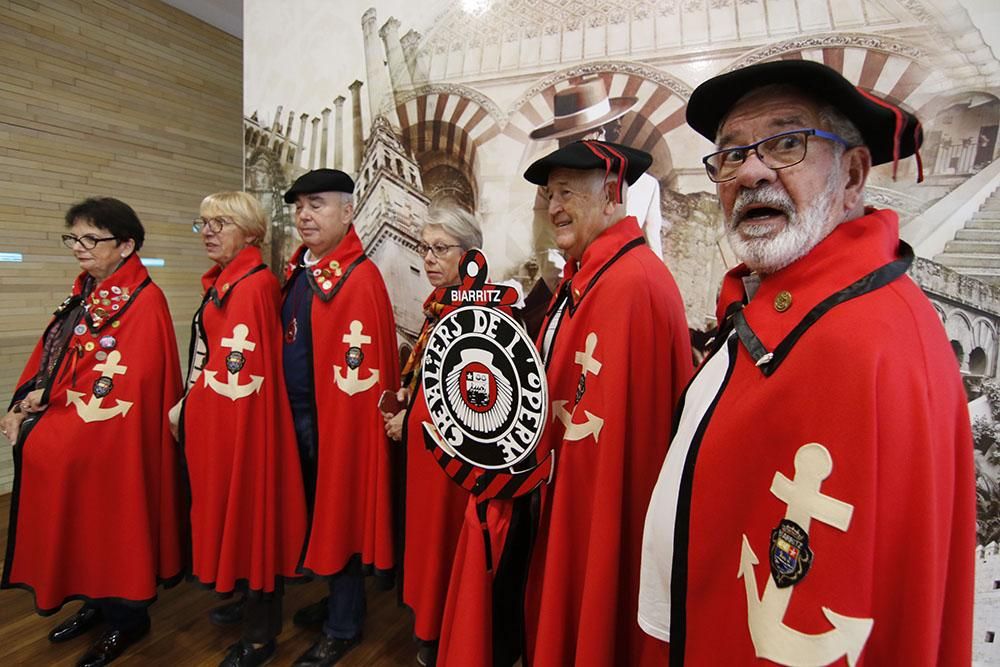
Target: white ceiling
226 15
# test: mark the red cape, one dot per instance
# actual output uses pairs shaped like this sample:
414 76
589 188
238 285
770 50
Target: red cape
353 508
624 322
874 381
248 516
95 510
435 505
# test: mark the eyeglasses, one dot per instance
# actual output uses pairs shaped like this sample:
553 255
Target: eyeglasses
213 225
87 241
776 152
439 249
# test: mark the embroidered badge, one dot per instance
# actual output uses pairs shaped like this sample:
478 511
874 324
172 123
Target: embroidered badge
235 361
790 554
103 386
353 357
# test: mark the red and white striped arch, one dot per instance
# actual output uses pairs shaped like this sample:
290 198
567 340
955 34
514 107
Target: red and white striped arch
448 119
897 71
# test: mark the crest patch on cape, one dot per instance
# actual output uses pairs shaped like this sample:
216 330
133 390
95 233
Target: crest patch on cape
790 555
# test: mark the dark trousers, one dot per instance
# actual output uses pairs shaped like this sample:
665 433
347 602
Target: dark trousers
347 605
121 616
262 618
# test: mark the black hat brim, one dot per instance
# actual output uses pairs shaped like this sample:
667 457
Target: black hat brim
319 180
577 156
712 101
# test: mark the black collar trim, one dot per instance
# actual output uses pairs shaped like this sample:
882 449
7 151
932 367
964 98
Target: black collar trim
768 362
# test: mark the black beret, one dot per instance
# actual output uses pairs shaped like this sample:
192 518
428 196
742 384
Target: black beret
320 180
604 155
890 132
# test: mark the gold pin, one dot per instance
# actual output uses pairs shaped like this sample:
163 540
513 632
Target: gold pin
783 301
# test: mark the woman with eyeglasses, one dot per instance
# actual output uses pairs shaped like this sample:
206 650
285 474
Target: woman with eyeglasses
434 503
95 511
247 504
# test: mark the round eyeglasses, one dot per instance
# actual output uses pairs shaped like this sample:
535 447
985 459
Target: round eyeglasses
439 250
776 152
213 225
87 241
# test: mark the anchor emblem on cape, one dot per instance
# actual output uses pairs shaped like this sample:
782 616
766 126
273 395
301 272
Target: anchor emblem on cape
232 388
91 411
352 383
772 639
592 426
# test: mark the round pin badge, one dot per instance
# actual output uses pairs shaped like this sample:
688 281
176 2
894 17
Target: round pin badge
116 324
101 355
108 342
80 329
89 345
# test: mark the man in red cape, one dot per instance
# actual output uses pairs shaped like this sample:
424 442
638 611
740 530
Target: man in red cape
817 502
339 356
616 347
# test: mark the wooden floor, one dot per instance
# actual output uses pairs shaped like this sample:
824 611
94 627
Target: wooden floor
182 636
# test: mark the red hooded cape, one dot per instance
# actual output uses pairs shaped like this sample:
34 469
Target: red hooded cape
350 311
860 367
248 516
95 510
616 367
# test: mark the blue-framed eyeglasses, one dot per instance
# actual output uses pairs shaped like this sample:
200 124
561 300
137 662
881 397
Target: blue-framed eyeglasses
776 152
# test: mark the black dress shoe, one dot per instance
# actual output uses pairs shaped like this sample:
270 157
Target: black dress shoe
76 625
427 654
327 651
230 613
243 654
111 645
312 614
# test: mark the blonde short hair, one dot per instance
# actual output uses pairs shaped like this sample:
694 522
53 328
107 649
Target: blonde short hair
243 209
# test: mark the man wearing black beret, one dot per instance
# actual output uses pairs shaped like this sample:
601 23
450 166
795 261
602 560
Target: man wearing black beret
339 356
816 505
615 343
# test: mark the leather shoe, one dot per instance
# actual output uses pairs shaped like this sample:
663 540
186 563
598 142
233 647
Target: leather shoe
327 651
76 625
427 654
111 645
312 615
243 654
230 613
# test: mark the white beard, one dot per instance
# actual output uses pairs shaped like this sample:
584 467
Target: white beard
801 232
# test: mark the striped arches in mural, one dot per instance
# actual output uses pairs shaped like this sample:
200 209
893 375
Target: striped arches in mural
446 120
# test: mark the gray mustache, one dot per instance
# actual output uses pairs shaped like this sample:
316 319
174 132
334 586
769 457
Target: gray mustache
761 196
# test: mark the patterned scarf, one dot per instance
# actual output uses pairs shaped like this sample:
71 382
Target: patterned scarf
411 371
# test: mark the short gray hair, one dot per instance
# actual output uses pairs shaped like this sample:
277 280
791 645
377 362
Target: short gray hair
457 222
840 125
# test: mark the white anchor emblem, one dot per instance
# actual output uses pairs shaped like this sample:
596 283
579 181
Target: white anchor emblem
772 639
593 425
232 389
91 411
352 383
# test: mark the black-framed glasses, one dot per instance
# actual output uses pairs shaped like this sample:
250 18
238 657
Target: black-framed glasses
776 152
213 225
87 241
439 249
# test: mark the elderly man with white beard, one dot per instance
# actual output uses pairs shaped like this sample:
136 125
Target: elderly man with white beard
816 504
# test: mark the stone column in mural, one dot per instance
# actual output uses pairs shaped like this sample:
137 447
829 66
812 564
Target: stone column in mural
338 133
359 138
302 139
399 73
313 142
375 71
416 61
326 137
